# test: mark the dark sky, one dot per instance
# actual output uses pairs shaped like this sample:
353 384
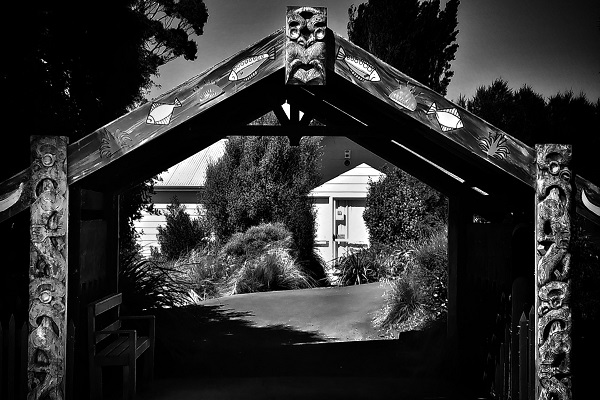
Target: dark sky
552 45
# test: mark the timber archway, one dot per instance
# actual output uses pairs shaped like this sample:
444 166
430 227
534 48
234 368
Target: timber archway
482 170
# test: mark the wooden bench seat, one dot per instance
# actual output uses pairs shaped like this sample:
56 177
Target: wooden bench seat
113 346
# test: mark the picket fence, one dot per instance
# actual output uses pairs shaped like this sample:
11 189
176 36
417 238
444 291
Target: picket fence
510 367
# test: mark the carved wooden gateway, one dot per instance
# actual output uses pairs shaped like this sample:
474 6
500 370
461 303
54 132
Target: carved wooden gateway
554 200
48 268
353 94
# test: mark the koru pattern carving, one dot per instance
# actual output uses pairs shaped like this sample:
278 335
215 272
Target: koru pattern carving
48 269
553 236
306 28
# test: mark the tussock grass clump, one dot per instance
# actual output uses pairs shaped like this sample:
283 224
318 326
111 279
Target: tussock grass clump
254 240
205 273
276 269
418 295
147 284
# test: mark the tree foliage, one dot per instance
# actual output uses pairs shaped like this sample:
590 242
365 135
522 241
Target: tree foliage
170 27
74 67
181 232
528 116
263 179
414 36
401 208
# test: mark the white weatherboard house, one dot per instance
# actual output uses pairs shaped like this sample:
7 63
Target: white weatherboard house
340 203
346 169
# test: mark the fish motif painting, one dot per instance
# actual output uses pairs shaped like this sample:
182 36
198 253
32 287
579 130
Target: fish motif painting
405 97
110 144
248 68
161 113
208 92
495 146
448 118
10 199
360 68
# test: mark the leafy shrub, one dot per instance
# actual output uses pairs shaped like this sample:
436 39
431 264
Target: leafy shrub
368 265
263 179
419 295
356 268
148 284
400 208
181 233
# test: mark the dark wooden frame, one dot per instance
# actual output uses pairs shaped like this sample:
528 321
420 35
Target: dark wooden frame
430 137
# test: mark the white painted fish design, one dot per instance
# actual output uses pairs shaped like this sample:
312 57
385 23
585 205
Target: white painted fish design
360 68
208 92
248 68
11 198
160 113
589 205
448 118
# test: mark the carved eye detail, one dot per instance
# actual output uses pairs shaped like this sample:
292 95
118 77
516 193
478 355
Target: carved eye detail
294 30
48 159
565 175
45 297
320 31
554 167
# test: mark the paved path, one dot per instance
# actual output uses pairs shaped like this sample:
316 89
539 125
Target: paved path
338 313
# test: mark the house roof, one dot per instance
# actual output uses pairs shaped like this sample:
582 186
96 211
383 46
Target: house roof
191 172
387 111
351 183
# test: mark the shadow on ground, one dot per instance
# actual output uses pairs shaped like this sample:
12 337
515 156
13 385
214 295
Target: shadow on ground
219 342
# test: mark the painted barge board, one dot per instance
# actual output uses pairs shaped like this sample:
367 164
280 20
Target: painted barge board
193 97
433 110
385 83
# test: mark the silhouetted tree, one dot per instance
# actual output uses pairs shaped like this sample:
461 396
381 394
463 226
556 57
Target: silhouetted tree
526 115
74 67
414 36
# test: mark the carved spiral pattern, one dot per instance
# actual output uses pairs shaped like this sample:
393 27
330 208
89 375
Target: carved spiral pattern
47 270
553 235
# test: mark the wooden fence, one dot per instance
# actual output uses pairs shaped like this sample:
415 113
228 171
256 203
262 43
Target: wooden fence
510 367
13 360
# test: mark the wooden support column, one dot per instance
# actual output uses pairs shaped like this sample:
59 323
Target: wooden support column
553 197
459 216
48 268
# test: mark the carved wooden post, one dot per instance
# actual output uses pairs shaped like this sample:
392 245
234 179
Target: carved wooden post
553 285
305 53
48 268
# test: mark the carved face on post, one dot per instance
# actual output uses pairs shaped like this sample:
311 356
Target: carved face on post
305 45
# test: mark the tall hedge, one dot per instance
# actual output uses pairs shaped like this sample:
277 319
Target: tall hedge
263 179
399 208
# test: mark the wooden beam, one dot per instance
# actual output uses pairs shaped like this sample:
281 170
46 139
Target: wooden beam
48 268
554 212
